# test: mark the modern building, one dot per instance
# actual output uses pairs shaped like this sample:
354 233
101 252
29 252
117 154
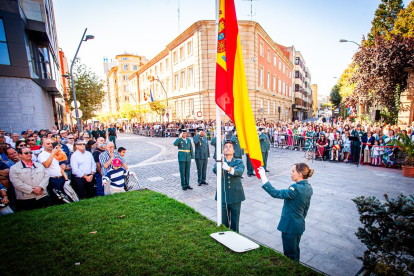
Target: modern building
118 86
186 69
314 98
30 71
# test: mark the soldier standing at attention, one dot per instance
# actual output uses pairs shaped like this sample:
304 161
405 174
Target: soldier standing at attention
250 169
112 135
295 208
265 147
202 153
185 154
232 193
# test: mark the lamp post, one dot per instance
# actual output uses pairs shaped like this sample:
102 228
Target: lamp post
71 76
345 40
166 95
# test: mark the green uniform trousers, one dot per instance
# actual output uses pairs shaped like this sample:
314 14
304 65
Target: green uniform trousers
250 169
112 139
230 215
185 173
291 246
201 169
356 150
265 156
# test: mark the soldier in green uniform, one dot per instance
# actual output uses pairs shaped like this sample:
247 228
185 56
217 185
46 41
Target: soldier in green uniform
185 154
238 152
295 208
250 169
202 153
232 193
265 147
356 145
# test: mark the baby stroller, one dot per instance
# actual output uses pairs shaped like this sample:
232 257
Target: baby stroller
132 183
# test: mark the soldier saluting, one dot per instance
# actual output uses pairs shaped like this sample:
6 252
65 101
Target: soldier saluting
185 154
202 153
232 193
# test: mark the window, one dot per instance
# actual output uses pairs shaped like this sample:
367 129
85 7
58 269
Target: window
175 60
175 81
274 83
274 61
268 107
124 58
297 87
182 79
127 98
279 86
290 90
135 67
126 88
183 108
283 87
192 107
189 48
125 67
167 63
274 107
161 69
182 53
4 52
190 77
297 61
268 55
156 70
261 76
167 85
284 69
261 49
268 80
261 103
296 74
280 65
125 77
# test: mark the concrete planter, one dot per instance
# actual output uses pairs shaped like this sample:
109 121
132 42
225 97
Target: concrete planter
408 171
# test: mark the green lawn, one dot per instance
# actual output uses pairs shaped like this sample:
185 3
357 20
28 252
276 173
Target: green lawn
138 233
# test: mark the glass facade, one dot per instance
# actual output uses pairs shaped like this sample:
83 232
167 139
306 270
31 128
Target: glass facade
4 51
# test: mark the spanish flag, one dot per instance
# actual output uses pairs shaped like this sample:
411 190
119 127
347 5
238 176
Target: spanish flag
231 87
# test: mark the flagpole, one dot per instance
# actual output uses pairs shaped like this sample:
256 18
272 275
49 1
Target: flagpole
218 133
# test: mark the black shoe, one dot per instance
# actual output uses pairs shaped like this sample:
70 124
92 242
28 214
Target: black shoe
189 187
267 171
184 188
199 184
205 183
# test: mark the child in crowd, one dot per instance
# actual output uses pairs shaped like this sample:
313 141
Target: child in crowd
122 151
347 146
381 148
336 147
375 154
116 178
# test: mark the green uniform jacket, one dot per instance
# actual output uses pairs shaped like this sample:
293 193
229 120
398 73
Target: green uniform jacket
264 142
297 201
231 186
201 147
184 145
238 152
359 134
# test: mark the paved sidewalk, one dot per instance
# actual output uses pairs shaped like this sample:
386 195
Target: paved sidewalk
328 244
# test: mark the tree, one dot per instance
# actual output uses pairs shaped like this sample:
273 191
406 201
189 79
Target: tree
380 77
383 23
325 105
130 111
335 96
404 24
89 90
346 82
157 106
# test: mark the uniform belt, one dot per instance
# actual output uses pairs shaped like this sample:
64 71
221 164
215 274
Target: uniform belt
56 176
184 150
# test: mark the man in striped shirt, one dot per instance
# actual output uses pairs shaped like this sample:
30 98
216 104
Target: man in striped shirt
116 177
107 157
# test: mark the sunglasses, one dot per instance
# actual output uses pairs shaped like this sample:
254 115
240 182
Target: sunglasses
80 144
30 139
71 138
22 145
27 152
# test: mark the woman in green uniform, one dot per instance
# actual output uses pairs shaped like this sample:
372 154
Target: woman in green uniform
295 208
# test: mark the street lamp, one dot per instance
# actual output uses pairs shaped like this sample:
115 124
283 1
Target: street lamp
88 37
166 95
344 40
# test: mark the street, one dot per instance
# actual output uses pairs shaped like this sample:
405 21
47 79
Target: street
328 244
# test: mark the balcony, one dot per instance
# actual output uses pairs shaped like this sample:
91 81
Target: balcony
35 26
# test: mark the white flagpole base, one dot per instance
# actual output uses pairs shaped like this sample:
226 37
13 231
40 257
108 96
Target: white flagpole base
234 241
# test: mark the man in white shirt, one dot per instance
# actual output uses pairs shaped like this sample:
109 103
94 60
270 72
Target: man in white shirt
83 170
15 138
57 174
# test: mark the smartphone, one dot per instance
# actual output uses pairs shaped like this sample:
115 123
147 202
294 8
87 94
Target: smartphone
54 144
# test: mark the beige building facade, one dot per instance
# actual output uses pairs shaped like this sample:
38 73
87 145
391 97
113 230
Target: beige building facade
314 98
184 73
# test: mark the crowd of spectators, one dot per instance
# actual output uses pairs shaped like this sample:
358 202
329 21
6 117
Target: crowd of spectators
35 166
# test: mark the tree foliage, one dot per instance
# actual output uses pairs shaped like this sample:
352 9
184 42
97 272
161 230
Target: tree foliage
89 90
347 85
157 106
387 233
383 23
335 97
130 111
404 24
380 77
105 116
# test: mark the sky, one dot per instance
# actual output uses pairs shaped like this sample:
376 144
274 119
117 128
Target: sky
146 27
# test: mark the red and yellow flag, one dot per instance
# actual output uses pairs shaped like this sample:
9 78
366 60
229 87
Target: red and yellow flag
231 86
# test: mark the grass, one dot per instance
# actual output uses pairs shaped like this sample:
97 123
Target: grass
137 233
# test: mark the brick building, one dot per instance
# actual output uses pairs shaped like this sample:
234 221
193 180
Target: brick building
30 77
186 69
